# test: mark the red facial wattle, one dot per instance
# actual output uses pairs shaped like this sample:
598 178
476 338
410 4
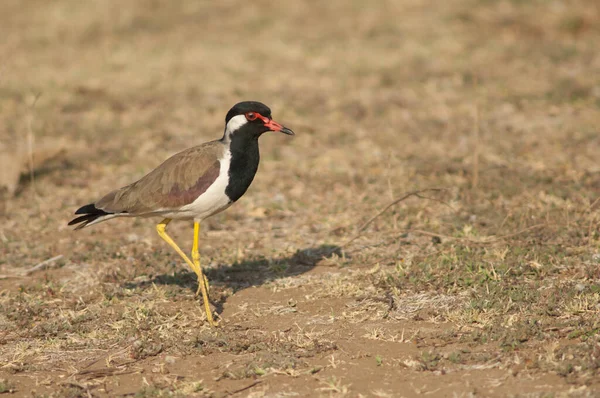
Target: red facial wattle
273 125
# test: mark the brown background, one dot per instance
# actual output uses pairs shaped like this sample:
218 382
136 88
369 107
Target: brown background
494 292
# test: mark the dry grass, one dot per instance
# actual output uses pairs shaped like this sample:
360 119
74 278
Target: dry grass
491 289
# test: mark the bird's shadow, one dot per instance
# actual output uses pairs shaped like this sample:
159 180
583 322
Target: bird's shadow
246 273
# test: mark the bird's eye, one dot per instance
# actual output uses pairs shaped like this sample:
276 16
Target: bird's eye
251 116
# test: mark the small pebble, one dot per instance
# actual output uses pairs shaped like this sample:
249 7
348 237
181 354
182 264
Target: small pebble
170 359
132 238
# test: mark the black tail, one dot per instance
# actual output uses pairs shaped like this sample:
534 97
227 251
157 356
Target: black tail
90 214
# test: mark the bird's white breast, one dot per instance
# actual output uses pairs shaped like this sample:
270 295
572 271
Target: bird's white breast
214 199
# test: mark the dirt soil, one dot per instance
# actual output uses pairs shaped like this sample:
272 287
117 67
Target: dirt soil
485 284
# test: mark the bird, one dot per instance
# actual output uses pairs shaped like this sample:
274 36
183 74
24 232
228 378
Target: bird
193 184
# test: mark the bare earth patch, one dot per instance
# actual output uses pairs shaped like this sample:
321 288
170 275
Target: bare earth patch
489 286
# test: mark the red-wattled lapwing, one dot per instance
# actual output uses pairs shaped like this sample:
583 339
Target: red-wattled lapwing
194 184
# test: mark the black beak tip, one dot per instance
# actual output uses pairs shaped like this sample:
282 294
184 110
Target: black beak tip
287 131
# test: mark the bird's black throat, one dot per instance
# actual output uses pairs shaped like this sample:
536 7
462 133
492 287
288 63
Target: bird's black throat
243 164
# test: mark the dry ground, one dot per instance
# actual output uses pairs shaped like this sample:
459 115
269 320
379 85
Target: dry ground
491 289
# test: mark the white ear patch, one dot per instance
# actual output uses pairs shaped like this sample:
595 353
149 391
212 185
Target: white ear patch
234 124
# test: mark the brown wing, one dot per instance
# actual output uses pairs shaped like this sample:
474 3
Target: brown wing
175 183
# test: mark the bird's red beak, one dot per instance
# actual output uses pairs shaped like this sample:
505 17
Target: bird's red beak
274 126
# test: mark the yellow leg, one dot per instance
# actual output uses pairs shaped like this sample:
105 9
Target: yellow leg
202 280
162 232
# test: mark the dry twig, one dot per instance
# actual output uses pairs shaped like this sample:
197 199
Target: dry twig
243 388
392 204
43 264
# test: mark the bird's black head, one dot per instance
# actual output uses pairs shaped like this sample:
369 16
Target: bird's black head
251 118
